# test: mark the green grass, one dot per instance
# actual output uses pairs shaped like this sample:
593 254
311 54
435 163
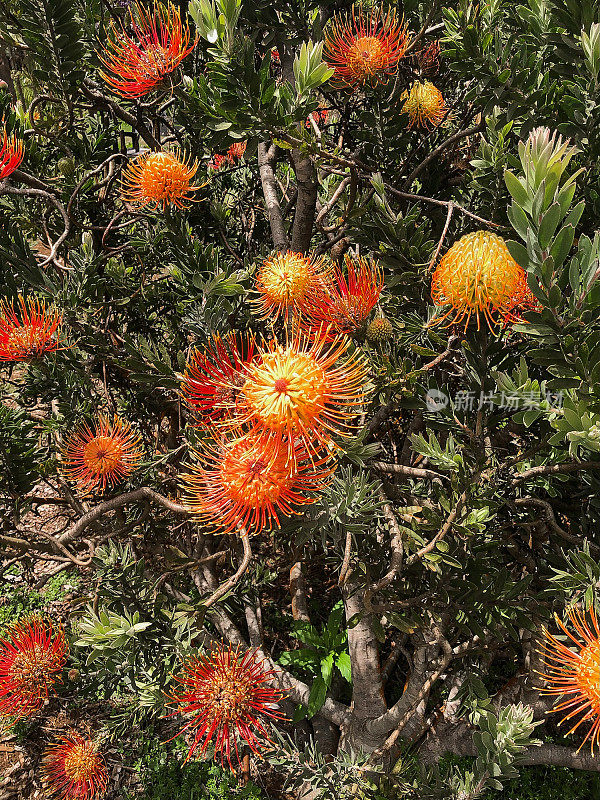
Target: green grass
550 783
164 776
18 599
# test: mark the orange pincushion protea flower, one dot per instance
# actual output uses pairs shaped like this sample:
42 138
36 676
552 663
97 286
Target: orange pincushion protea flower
424 105
29 330
575 674
347 302
476 276
136 64
285 283
248 481
364 48
103 455
32 655
158 180
304 390
11 154
74 769
230 697
214 377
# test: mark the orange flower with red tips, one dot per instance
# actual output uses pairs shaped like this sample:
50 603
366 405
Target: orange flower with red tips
320 117
364 48
99 457
28 330
286 283
346 302
575 674
217 161
229 697
424 105
74 769
138 63
236 151
158 180
303 390
11 154
33 653
249 481
477 276
214 377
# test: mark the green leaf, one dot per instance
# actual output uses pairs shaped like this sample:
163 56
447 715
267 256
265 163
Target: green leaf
344 665
516 189
318 693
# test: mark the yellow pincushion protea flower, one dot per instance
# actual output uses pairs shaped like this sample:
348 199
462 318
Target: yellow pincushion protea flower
158 180
286 282
424 105
477 276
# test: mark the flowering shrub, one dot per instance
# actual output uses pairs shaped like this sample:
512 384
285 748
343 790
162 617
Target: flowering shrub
299 374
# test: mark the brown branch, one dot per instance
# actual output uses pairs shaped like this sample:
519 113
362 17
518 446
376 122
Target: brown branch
144 493
93 92
409 472
266 169
397 548
550 520
42 193
450 520
554 469
236 577
298 591
456 137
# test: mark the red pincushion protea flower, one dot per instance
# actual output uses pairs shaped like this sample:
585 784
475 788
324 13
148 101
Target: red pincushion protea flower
11 154
364 48
236 151
346 303
424 105
32 655
214 377
158 180
74 769
230 698
217 161
476 276
304 390
28 330
102 455
428 58
286 282
135 64
248 481
575 674
320 116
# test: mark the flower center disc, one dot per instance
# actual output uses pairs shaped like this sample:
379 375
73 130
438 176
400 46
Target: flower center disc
253 481
286 389
163 177
365 56
102 454
80 763
588 675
